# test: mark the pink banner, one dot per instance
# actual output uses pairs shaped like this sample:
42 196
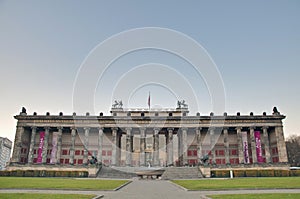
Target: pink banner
245 147
41 145
258 147
54 148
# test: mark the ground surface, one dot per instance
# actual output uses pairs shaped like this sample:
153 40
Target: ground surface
148 189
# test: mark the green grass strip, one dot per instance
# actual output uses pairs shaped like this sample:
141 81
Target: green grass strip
257 196
44 196
240 183
59 183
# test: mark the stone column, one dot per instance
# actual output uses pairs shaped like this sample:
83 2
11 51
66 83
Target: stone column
100 145
212 144
199 148
59 141
72 149
86 145
17 145
114 146
156 147
32 139
226 144
240 145
184 146
253 145
128 146
282 154
45 147
142 146
170 147
119 143
267 144
180 148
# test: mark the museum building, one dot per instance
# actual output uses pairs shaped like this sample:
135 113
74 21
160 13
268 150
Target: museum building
142 137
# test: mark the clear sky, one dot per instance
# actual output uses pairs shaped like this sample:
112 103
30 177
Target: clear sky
254 44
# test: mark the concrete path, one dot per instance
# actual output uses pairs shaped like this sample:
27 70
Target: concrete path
148 189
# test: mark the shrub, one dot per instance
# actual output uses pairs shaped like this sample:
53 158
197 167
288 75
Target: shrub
266 173
294 172
281 173
239 173
251 173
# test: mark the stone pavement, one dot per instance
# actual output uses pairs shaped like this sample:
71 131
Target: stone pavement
148 189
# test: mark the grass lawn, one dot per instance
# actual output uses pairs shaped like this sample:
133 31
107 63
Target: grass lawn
42 196
240 183
59 183
257 196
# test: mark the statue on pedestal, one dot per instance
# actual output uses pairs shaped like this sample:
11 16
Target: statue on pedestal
117 104
181 104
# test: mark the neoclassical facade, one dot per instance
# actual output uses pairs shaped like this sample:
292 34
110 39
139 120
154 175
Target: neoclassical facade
140 137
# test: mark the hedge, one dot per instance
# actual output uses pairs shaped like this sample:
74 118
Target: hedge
44 173
255 173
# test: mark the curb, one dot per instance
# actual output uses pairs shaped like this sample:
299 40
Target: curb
123 185
98 197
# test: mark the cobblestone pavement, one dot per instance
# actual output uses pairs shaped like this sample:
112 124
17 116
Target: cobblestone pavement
148 189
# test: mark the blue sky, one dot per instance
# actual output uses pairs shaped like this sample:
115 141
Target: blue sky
254 44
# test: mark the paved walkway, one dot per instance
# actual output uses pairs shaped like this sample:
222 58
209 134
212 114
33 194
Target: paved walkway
148 189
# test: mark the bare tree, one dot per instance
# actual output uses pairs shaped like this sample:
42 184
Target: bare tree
293 150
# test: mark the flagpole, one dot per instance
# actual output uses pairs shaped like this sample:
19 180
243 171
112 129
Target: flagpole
149 101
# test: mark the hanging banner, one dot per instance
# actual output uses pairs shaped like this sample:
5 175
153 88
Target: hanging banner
258 146
245 147
41 145
54 148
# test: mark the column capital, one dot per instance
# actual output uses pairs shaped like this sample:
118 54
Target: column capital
170 129
225 128
114 128
184 128
86 128
252 127
100 128
34 128
265 128
73 128
238 128
142 128
128 128
156 129
198 128
47 128
60 128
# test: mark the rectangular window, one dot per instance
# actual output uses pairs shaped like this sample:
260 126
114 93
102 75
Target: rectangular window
195 152
233 152
80 161
65 152
109 153
75 161
66 161
104 153
221 152
34 151
189 153
61 161
77 152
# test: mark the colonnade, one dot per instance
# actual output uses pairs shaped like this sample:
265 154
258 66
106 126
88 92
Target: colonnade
182 135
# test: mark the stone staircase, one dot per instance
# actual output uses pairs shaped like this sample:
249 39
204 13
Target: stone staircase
181 173
111 172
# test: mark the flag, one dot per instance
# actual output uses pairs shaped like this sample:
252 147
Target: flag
149 100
